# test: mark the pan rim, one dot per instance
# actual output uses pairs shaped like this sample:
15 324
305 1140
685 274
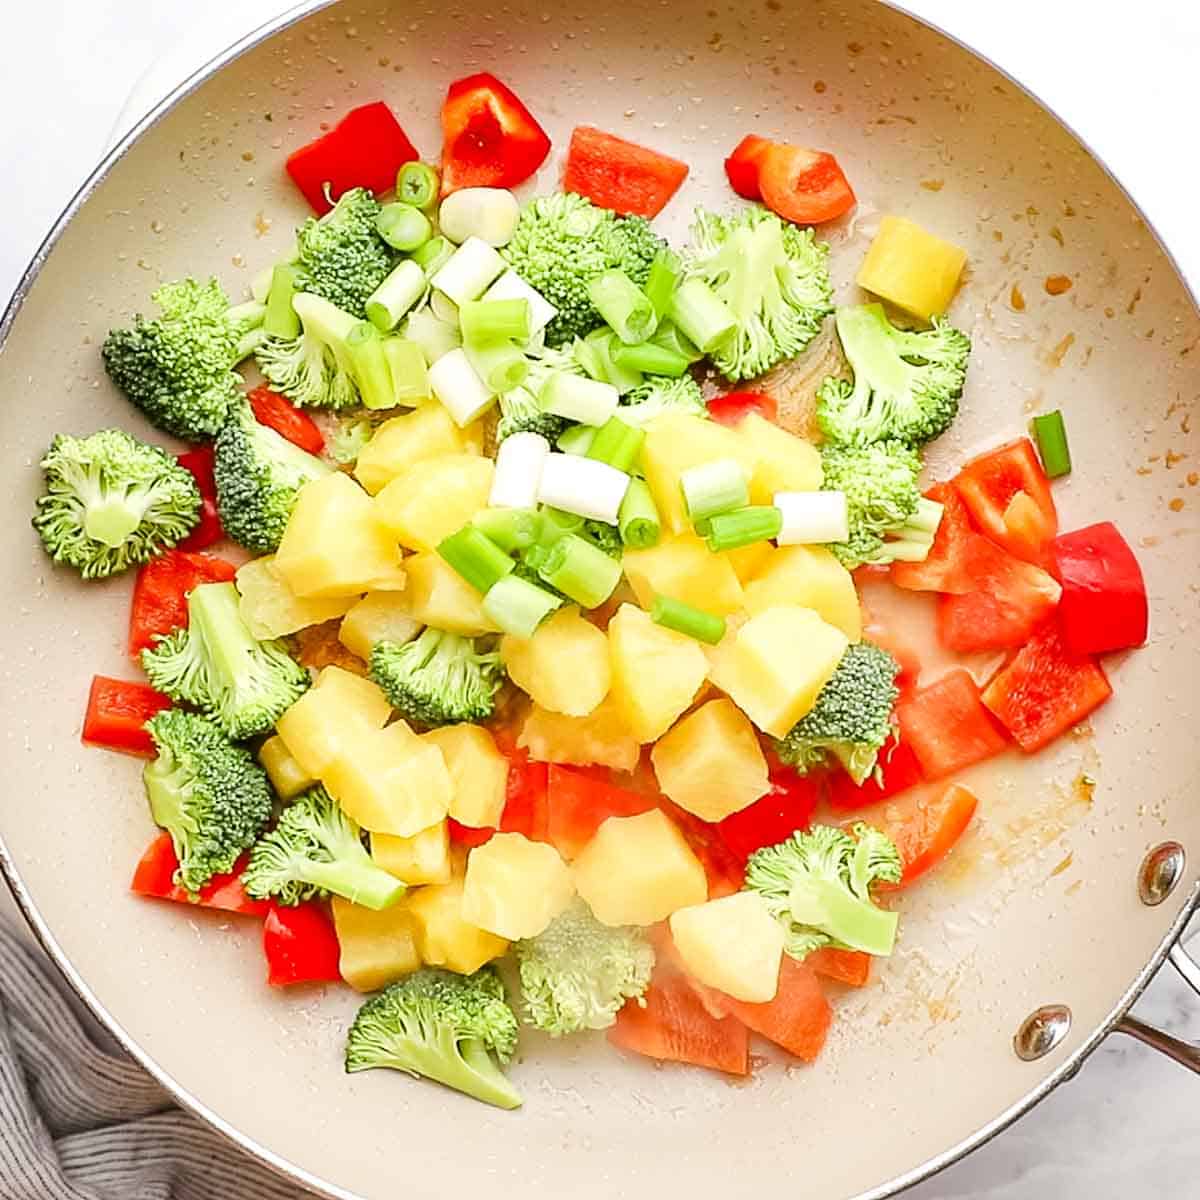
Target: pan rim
184 1098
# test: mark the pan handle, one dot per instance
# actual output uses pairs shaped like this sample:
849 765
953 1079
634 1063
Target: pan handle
1186 1054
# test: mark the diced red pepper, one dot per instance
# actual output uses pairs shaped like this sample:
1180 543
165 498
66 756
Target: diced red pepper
944 568
117 712
799 1017
788 806
725 870
579 803
926 828
804 186
489 138
733 408
742 166
947 725
851 967
1045 690
621 175
526 805
200 463
897 771
467 835
1104 605
366 149
154 876
300 945
990 484
280 414
160 593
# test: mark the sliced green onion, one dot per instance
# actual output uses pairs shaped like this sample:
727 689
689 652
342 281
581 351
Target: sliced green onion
433 254
583 486
603 343
617 444
588 357
434 336
475 557
684 618
702 315
518 606
637 519
714 487
388 303
575 439
495 321
500 365
584 400
455 383
281 320
518 471
667 336
580 570
410 374
417 185
730 530
260 285
1051 433
403 227
662 281
651 358
469 271
623 305
444 309
369 362
812 518
490 214
511 529
557 523
510 286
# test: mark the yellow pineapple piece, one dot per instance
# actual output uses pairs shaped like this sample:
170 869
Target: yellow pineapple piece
422 858
564 667
287 776
811 577
783 462
445 937
438 595
515 887
732 944
684 568
426 432
377 948
912 268
432 499
478 771
747 561
638 871
379 617
711 763
602 738
272 610
334 709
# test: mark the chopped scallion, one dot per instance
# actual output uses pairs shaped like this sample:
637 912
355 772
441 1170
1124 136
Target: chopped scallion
651 358
475 557
730 530
584 400
495 320
637 520
488 213
684 618
617 444
500 365
702 315
580 570
433 255
623 305
511 529
518 470
469 271
396 295
714 487
575 439
812 518
510 286
455 383
417 185
1051 433
409 372
403 227
369 363
602 343
583 486
662 281
518 606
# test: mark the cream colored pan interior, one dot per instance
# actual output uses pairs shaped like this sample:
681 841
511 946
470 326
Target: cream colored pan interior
1040 903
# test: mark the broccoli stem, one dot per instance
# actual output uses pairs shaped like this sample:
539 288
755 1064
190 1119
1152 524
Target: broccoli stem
490 1083
112 518
827 905
913 540
369 886
214 614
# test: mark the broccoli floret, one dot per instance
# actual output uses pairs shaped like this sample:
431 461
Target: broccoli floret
258 473
773 276
906 384
851 718
314 850
313 370
217 665
578 973
818 884
439 678
659 394
457 1030
341 256
211 796
112 501
350 438
562 242
521 410
178 368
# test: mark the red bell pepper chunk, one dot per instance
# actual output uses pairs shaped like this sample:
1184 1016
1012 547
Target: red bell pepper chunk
366 148
733 408
947 725
200 464
1045 690
579 804
725 870
467 835
280 414
621 175
489 138
926 828
526 807
944 568
300 945
154 876
897 771
160 593
992 487
851 967
788 806
1104 605
117 712
742 166
804 186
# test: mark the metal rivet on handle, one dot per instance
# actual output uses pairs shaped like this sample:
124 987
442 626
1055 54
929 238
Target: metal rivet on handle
1160 871
1041 1031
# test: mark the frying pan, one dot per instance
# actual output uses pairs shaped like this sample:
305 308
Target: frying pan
1016 959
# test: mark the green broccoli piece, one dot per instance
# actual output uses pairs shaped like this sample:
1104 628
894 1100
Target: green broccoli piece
315 850
178 368
217 665
258 473
438 679
851 718
341 256
906 384
454 1029
659 394
578 973
112 501
211 796
521 410
313 370
774 278
351 436
564 241
818 885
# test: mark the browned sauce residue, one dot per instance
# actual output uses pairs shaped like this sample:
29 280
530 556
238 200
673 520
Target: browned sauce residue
1133 301
1056 356
1064 865
1084 787
1173 458
1176 505
1055 285
933 185
1193 479
1016 298
1057 235
820 86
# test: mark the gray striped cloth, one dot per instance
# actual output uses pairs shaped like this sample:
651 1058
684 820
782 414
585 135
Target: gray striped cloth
80 1121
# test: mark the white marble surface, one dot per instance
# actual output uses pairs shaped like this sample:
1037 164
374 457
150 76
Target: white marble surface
1126 1126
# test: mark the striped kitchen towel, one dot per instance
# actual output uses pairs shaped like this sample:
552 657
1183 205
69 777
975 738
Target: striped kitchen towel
79 1121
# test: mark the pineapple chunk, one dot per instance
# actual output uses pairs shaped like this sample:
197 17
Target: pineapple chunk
478 771
334 546
438 595
445 937
685 569
711 763
601 738
287 776
783 462
514 887
426 432
272 610
638 871
774 666
811 577
377 948
379 617
732 944
747 561
422 858
564 667
390 781
911 268
332 711
656 672
430 500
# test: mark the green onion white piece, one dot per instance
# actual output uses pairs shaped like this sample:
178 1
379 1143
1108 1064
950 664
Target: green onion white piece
501 365
435 336
403 227
583 486
576 439
518 471
453 381
714 487
410 375
371 369
388 303
433 255
518 606
490 214
510 286
812 518
444 308
469 271
584 400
